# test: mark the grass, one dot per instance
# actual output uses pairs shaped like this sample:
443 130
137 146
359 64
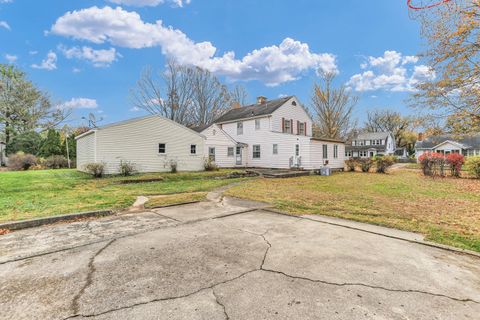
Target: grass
34 194
445 210
167 200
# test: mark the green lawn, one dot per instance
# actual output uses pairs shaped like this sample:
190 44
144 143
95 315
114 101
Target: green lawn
444 210
33 194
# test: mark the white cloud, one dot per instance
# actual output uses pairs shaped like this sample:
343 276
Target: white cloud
79 103
49 63
11 58
4 24
32 52
76 70
272 65
135 109
99 58
391 72
150 3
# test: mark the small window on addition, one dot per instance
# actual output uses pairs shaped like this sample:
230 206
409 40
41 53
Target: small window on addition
162 148
275 149
256 152
230 152
193 149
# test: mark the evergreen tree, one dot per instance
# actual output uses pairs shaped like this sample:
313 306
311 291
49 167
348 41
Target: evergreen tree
52 145
28 142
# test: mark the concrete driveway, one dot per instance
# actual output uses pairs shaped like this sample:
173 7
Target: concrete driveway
230 260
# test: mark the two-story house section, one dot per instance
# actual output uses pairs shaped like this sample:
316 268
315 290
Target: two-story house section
270 134
370 144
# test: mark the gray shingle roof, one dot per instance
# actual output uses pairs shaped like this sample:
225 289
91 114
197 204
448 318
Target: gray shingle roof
362 148
470 141
372 136
199 129
253 110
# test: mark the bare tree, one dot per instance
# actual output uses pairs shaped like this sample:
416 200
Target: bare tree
332 108
239 95
389 121
168 94
210 97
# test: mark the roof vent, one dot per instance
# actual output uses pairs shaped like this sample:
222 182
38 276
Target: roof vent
261 100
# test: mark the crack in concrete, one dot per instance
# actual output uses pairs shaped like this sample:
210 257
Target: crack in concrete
163 216
220 304
88 282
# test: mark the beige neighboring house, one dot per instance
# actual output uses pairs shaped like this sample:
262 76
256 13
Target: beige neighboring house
270 134
151 143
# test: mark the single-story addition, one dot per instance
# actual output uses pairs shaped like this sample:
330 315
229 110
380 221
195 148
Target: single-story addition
370 144
151 143
270 134
468 145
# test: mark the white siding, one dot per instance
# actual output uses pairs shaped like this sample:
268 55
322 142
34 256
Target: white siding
316 154
218 139
137 141
290 112
85 150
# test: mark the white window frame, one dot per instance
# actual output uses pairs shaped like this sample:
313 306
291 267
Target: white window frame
164 148
232 153
324 151
239 128
289 129
335 151
256 154
193 149
275 149
257 124
301 128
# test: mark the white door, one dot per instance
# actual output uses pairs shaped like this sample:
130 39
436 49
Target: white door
296 158
238 156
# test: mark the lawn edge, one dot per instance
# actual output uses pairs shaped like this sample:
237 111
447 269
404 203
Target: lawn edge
37 222
346 225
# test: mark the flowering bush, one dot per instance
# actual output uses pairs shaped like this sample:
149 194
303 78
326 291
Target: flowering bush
473 166
455 161
433 164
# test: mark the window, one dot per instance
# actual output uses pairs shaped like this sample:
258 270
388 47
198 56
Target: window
301 128
287 126
297 150
275 148
362 142
335 151
348 154
257 124
230 152
211 154
363 153
239 128
325 151
193 149
256 151
162 148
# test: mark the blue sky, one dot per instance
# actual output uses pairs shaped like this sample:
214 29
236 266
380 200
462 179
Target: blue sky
89 54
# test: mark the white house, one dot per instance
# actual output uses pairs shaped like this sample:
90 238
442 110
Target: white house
370 144
270 134
468 145
151 143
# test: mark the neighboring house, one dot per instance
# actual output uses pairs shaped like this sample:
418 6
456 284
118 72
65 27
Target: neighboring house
370 144
3 156
270 134
468 145
151 143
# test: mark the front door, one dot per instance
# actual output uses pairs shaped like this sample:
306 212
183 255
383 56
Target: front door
371 154
238 152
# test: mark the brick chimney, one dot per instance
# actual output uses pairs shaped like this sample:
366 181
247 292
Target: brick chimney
261 99
420 136
236 105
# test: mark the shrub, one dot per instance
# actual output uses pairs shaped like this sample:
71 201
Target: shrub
473 166
210 165
351 164
433 164
365 164
455 161
56 162
126 168
173 166
95 169
382 163
21 161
